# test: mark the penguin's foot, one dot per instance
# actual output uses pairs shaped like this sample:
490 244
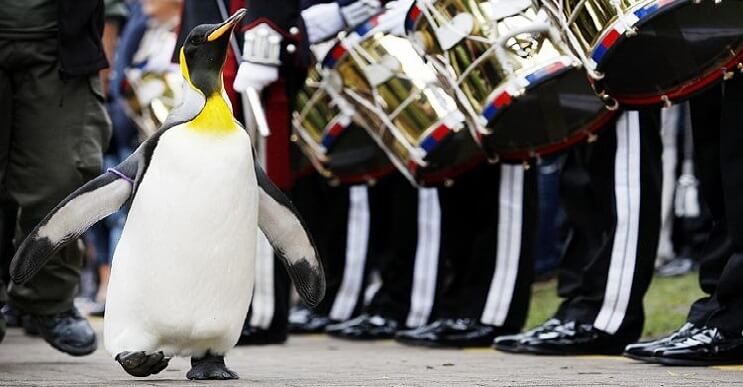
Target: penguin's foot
210 367
142 363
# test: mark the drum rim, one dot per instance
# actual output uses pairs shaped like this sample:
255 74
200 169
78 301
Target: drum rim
613 37
427 180
675 94
685 90
500 98
363 31
548 149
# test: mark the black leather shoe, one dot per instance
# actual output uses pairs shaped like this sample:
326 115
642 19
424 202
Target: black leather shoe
708 346
68 332
451 333
303 320
646 351
364 327
258 336
572 338
511 343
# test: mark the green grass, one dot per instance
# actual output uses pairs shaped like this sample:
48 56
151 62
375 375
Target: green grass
666 303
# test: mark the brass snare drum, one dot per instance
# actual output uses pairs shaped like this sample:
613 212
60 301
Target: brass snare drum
523 90
647 52
408 111
326 131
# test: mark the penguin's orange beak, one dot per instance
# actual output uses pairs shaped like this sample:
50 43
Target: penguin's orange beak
227 26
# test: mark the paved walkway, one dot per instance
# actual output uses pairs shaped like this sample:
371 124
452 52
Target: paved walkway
321 361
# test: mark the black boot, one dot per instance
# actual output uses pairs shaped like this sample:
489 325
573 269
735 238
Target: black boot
3 327
68 332
12 316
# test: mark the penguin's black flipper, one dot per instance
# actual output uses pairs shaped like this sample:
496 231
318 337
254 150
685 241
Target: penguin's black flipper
90 203
280 222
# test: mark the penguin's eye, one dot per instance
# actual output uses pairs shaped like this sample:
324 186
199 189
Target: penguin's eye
196 39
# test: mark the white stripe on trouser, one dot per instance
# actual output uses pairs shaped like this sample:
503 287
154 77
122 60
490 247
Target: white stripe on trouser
510 213
262 306
670 118
357 240
426 257
624 249
263 293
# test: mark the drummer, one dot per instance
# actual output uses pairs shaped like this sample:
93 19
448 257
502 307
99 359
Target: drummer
383 234
610 189
396 243
712 333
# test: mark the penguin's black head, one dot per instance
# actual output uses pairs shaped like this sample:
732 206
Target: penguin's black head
204 52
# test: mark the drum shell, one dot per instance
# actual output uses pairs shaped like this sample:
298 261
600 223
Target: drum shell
407 110
529 127
673 50
545 105
341 151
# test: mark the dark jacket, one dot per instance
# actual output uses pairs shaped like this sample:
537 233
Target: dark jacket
80 31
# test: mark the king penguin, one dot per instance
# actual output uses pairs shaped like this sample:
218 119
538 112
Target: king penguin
183 270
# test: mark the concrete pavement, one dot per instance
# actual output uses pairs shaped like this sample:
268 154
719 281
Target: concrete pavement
321 361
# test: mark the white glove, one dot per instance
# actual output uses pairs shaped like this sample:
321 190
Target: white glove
393 19
322 21
360 11
255 76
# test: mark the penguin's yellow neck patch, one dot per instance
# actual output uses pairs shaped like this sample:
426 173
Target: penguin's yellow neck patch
215 117
184 67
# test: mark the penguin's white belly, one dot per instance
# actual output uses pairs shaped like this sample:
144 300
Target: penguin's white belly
182 275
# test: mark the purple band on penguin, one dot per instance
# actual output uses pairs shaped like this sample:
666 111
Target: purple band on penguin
121 175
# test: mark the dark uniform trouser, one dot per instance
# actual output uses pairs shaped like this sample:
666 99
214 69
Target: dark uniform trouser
488 221
717 124
611 192
359 230
393 205
53 135
324 209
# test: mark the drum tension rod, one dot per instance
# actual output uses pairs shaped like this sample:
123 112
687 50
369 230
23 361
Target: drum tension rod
666 101
727 75
591 137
